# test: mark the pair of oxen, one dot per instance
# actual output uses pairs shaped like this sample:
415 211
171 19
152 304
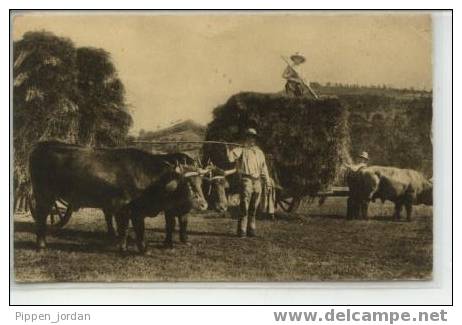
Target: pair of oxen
127 184
404 187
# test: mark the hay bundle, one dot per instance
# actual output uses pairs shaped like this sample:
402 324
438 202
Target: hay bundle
63 93
395 131
305 140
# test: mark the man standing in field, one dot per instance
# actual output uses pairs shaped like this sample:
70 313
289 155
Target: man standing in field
252 169
356 207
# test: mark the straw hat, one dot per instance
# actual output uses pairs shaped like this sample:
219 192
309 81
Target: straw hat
251 131
364 155
297 57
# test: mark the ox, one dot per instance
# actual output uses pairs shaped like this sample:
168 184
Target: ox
403 187
108 179
224 180
220 184
217 188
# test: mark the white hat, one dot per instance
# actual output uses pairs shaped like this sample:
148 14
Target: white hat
364 155
297 57
251 131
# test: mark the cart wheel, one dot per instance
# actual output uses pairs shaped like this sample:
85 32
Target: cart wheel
283 204
295 204
289 204
60 214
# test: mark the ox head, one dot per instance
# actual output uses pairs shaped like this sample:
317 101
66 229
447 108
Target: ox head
216 185
426 196
186 184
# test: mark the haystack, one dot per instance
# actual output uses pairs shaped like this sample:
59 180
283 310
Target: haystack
305 140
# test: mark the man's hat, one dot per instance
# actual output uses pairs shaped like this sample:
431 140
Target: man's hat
364 155
298 57
251 131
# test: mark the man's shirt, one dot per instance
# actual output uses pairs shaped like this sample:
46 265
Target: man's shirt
250 161
294 73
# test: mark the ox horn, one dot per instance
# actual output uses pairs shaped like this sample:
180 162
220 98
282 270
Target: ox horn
176 167
190 174
203 171
169 164
229 172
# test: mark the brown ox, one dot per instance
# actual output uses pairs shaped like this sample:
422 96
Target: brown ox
404 187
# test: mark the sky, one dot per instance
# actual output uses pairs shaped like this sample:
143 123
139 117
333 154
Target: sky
183 66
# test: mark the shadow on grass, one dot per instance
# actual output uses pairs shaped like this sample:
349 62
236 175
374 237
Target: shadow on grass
23 226
196 233
69 233
94 241
63 233
28 227
92 247
328 216
388 219
102 248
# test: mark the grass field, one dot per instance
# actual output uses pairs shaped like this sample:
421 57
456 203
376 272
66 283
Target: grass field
315 244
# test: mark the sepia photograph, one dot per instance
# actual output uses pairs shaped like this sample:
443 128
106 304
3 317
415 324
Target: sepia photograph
221 146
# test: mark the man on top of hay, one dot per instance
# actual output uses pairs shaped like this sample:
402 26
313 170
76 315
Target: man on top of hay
296 84
252 168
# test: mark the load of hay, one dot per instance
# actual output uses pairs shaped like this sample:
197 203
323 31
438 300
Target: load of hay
395 131
305 140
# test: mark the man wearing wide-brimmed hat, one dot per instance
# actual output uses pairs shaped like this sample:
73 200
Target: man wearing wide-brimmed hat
296 84
356 207
364 158
252 169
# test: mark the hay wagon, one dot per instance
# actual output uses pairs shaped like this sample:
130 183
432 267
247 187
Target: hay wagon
289 203
285 200
306 141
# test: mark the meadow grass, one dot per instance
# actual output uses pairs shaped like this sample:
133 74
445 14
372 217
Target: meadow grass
315 244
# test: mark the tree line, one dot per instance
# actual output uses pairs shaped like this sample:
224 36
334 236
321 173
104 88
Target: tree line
337 89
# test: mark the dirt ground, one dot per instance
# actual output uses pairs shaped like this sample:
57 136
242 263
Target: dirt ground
315 244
